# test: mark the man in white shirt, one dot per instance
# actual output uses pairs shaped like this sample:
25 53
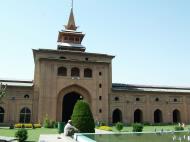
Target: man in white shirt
69 130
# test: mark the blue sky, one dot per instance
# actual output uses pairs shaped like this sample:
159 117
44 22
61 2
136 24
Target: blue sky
150 38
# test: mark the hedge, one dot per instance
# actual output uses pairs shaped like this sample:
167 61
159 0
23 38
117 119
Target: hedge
82 117
29 125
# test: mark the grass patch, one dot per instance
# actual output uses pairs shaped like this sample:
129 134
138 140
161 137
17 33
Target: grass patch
150 128
33 134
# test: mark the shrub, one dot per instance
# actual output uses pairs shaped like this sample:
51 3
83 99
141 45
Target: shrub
46 123
119 126
55 125
179 128
37 125
102 123
49 123
21 134
129 124
82 117
52 124
29 125
146 124
106 128
137 127
11 126
161 124
18 125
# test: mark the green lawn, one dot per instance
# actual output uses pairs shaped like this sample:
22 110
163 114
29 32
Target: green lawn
151 128
33 134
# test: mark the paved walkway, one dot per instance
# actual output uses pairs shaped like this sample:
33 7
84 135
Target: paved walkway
55 138
12 139
98 131
62 138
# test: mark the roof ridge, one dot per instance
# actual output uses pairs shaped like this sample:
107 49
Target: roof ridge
152 86
14 80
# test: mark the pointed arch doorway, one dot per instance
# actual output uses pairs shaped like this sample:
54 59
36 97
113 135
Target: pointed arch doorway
67 99
138 116
157 116
117 116
176 116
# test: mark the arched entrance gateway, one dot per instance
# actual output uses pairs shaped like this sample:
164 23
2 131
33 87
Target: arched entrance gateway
67 99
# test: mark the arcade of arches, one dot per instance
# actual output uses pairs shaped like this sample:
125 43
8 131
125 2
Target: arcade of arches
138 116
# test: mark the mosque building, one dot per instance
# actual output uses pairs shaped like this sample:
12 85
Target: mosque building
69 73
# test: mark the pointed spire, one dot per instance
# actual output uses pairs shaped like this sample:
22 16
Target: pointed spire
71 23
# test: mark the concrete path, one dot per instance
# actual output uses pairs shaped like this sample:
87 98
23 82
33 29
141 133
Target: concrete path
62 138
98 131
55 138
12 139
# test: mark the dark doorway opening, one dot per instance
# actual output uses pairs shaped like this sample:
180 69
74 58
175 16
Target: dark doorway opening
2 112
69 101
117 116
176 116
138 116
157 116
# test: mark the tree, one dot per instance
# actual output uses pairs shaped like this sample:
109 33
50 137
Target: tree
2 91
82 117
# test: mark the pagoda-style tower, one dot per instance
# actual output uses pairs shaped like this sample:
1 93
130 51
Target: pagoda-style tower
70 39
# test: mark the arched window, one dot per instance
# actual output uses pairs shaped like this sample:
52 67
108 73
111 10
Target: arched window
26 96
87 72
75 72
116 98
157 116
138 116
2 113
100 110
100 73
137 99
25 115
157 99
100 97
62 71
175 100
176 116
117 116
62 57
